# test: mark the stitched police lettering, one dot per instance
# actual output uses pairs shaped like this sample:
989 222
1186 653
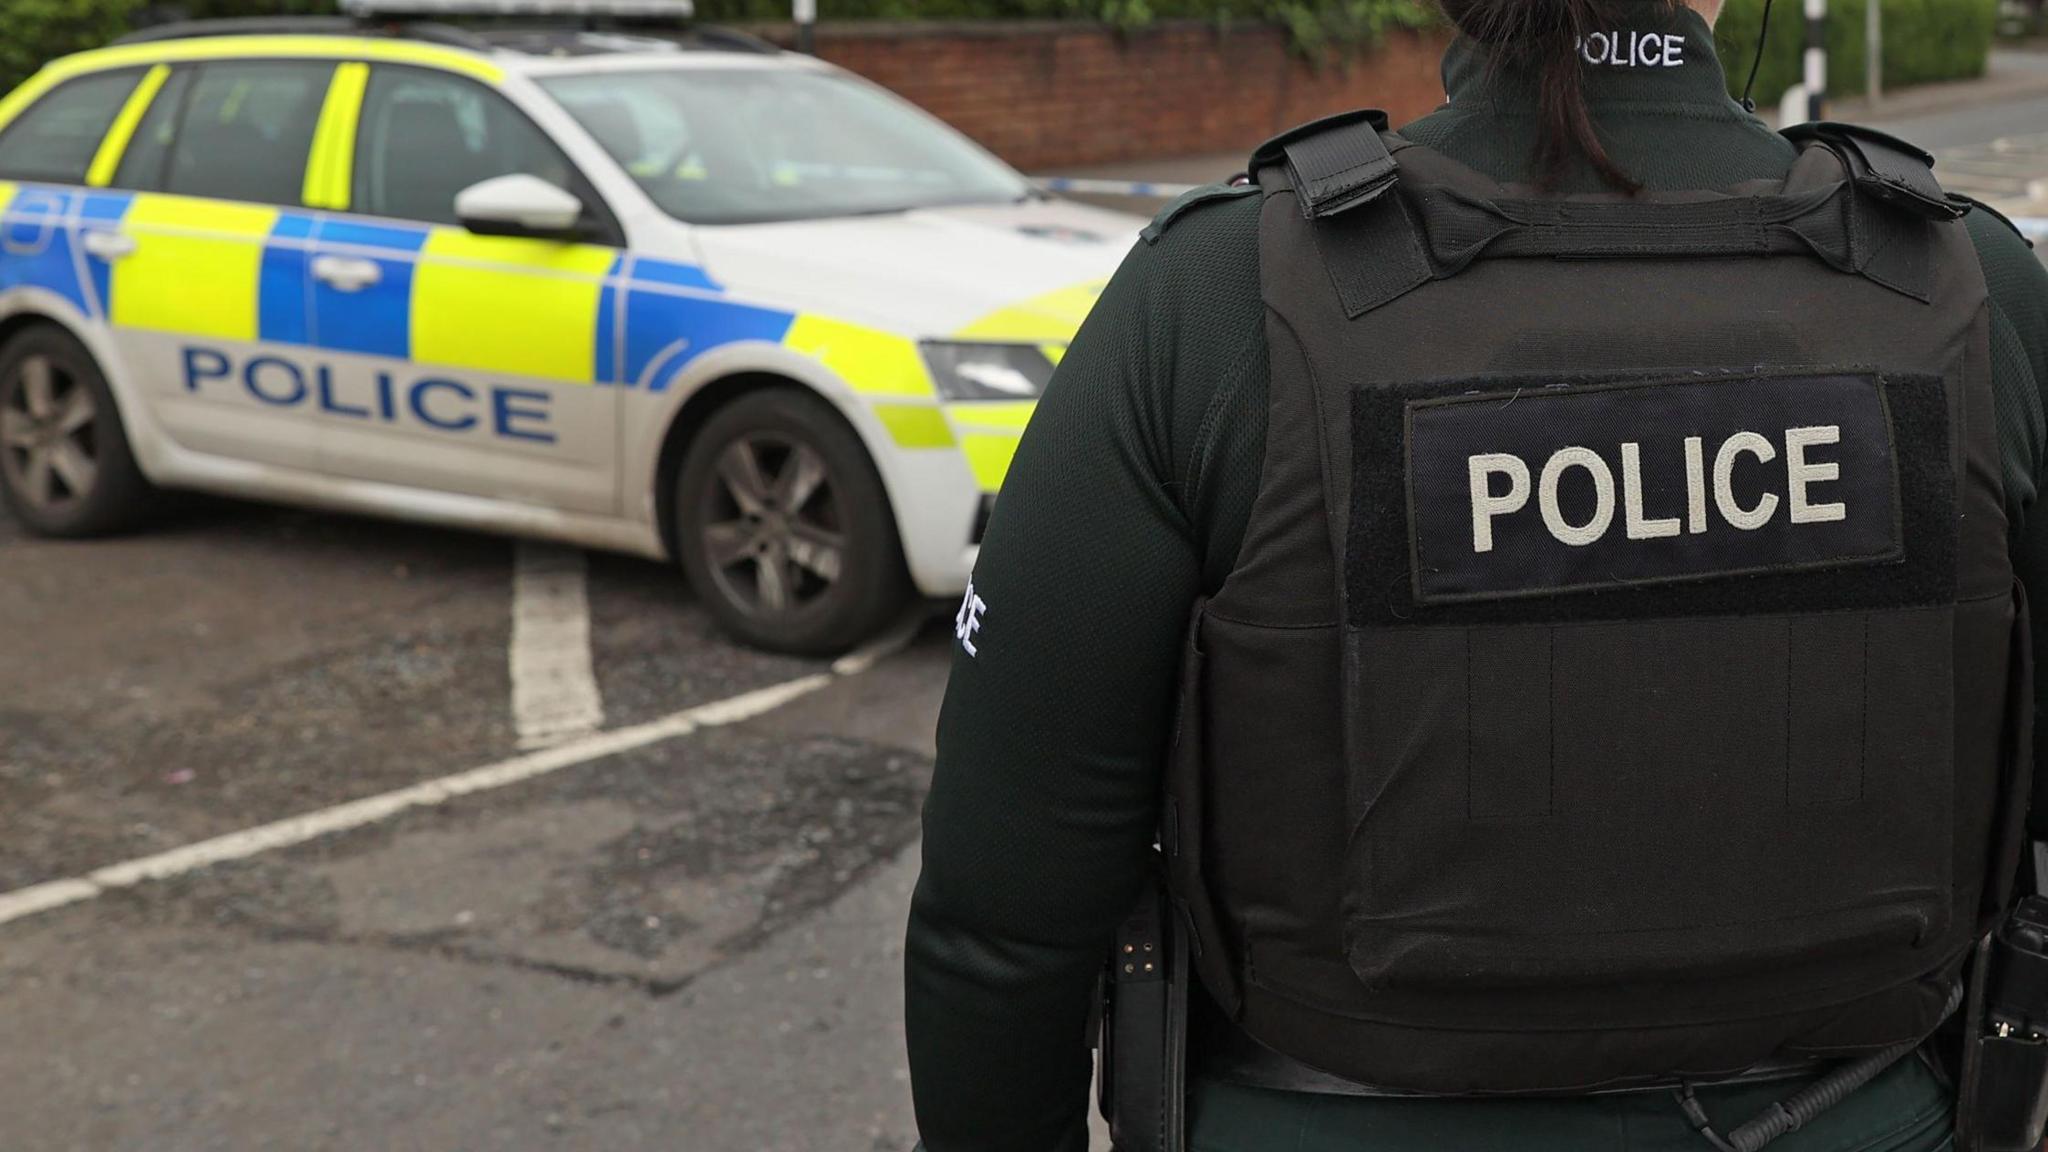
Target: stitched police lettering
1549 489
1800 475
1633 49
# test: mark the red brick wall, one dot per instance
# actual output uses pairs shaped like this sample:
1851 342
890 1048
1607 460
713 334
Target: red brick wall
1046 96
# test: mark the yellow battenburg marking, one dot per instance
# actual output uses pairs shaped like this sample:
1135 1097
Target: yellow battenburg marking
1051 318
330 170
989 434
7 191
115 144
993 415
182 243
507 304
915 426
871 361
989 456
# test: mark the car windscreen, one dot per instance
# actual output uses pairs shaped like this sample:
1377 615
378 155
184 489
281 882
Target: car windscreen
732 146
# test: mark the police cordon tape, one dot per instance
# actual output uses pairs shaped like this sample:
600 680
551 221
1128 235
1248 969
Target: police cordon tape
1134 188
2034 227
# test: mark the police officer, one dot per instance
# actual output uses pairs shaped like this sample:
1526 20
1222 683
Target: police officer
1545 579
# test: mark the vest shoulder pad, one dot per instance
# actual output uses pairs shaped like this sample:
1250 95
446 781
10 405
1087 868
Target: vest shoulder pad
1886 167
1972 204
1192 198
1333 164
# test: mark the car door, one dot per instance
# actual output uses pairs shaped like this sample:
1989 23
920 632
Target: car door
197 246
473 364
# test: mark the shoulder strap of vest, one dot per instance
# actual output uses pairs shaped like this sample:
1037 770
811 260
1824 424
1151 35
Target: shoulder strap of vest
1882 166
1333 164
1972 204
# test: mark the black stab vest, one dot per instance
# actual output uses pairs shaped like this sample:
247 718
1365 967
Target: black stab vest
1623 676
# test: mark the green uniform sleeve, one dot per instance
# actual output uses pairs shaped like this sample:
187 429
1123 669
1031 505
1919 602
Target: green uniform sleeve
1045 797
2019 373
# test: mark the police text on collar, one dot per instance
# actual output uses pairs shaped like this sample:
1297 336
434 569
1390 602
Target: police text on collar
1634 49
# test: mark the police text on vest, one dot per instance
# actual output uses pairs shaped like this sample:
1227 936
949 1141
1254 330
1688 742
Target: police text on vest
1550 488
1491 499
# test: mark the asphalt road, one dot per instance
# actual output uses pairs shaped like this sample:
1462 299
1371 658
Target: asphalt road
693 944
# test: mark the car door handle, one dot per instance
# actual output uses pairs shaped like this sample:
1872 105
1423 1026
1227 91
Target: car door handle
346 273
108 245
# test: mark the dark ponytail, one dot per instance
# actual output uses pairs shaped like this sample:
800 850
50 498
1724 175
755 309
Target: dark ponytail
1544 36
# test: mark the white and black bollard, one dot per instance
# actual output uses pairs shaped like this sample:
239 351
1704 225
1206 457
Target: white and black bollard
805 13
1816 79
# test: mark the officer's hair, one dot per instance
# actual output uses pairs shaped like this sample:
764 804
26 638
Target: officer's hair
1545 34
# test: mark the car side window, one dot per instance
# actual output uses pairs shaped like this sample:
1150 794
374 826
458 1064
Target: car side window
425 136
56 138
244 131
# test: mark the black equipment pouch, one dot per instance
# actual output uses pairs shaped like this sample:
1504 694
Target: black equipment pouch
2002 1094
1141 1056
2003 1101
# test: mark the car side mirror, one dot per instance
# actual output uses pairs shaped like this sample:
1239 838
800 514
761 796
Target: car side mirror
519 205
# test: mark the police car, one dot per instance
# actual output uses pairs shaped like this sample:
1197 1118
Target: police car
681 295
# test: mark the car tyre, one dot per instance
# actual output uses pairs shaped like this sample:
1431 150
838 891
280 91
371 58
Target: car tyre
66 469
784 529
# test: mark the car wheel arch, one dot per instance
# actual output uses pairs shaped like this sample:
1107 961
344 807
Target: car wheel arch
22 309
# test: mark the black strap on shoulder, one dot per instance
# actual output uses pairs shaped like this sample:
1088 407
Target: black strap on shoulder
1883 166
1335 163
1455 228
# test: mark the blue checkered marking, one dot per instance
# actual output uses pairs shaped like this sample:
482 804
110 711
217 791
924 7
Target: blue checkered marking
281 305
377 320
665 330
36 249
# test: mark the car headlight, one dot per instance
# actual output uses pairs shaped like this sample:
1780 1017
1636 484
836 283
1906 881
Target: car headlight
987 371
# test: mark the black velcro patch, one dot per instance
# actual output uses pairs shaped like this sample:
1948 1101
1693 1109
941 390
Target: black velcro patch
1672 495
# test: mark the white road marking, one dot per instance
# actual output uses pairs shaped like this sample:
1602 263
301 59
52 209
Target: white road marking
554 690
23 902
371 809
889 642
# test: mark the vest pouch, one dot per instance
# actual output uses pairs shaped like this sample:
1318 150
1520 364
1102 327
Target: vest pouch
1181 826
2016 787
1673 799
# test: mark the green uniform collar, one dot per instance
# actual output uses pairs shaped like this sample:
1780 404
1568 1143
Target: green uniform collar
1630 64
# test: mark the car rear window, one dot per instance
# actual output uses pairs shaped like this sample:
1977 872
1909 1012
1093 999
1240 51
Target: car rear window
55 139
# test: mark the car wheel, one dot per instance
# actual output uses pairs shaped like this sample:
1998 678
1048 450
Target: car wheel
784 529
65 466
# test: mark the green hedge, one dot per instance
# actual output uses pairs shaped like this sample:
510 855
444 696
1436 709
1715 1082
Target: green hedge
1924 40
32 31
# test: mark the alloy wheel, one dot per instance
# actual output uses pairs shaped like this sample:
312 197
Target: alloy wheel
48 449
773 533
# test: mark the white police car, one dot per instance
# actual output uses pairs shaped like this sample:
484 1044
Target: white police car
683 296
